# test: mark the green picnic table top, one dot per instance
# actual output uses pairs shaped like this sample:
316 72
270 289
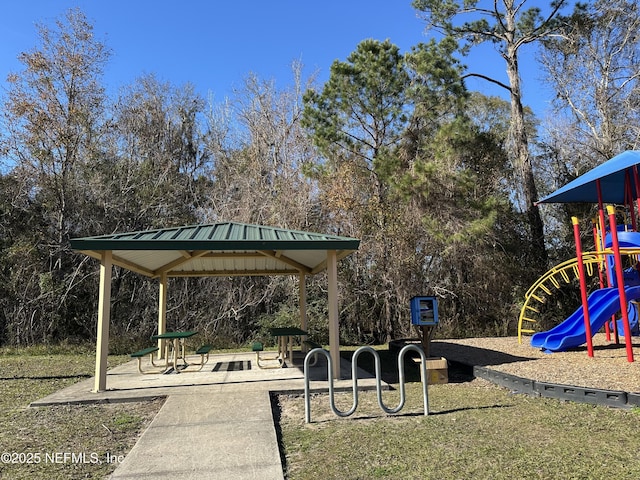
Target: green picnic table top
174 335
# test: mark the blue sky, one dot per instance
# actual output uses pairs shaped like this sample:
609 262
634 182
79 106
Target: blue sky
215 44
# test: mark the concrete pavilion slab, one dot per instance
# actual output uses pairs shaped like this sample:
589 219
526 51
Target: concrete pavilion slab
127 384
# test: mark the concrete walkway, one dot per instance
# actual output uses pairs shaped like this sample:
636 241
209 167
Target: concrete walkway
213 424
196 436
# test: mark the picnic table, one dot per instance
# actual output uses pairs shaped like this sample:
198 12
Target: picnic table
285 336
175 346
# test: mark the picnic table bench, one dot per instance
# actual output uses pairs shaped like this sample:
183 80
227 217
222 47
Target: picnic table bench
203 351
143 353
259 347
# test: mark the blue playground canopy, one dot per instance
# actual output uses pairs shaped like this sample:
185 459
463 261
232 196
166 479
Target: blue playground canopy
614 176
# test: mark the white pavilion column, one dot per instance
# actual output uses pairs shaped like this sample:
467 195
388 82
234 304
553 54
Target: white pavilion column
104 318
334 327
302 294
162 312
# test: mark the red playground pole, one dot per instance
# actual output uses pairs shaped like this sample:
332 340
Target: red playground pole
583 286
620 281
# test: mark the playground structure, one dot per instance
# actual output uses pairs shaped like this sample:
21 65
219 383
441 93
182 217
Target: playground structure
615 259
567 272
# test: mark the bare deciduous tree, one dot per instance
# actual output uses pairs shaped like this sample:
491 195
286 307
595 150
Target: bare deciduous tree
53 122
592 65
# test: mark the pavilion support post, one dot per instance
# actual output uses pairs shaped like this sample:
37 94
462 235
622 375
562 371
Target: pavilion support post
302 291
162 312
334 327
104 318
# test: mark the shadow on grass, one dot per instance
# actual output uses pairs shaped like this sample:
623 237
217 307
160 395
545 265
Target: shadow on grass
464 409
357 417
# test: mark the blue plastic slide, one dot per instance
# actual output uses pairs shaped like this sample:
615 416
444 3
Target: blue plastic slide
571 333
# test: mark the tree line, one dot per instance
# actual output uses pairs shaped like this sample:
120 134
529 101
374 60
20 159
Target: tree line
437 181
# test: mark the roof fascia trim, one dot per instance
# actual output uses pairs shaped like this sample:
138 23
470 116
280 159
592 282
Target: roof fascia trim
98 244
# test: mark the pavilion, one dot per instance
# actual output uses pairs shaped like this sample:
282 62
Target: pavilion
219 249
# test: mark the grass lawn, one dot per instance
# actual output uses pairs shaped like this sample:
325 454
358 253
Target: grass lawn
475 430
61 442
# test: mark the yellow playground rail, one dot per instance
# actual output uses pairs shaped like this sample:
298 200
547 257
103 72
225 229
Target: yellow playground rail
564 272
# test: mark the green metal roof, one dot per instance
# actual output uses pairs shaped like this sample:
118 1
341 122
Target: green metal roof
218 249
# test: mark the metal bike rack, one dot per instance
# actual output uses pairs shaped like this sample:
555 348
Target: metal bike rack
354 377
